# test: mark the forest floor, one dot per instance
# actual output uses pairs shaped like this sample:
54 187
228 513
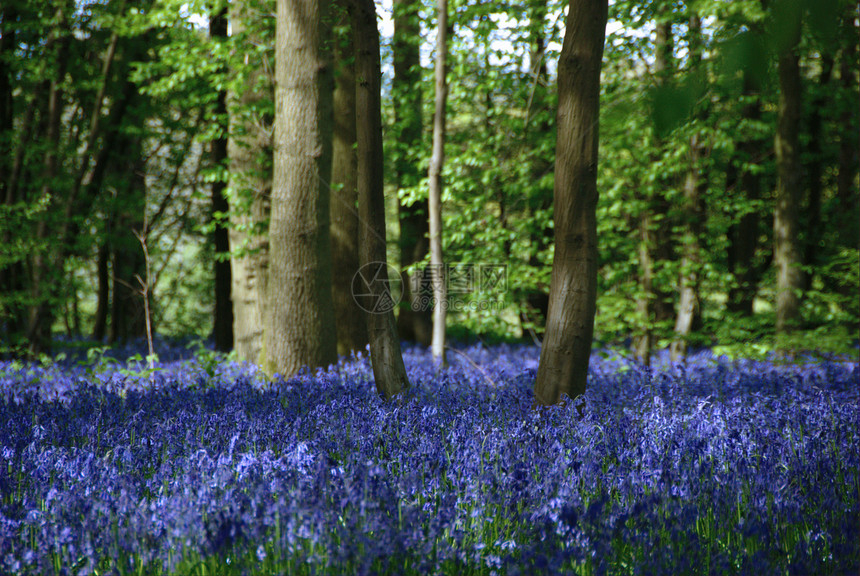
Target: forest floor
198 465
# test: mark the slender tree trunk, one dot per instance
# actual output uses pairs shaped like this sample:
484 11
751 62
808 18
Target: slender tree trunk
223 313
743 235
813 224
389 371
789 277
437 161
563 368
643 342
414 321
103 295
351 328
250 151
42 275
652 303
688 298
300 328
11 273
849 159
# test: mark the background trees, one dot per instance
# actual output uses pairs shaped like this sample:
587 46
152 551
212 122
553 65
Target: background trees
109 111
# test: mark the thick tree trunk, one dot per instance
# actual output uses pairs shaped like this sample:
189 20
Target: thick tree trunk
437 161
300 328
414 321
223 313
786 251
250 151
128 318
389 371
563 368
351 328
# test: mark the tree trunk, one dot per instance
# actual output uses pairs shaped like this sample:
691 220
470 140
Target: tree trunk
849 160
11 273
299 327
103 295
812 224
223 313
389 371
743 235
351 328
250 151
688 297
43 274
437 161
128 319
786 251
563 367
652 303
414 321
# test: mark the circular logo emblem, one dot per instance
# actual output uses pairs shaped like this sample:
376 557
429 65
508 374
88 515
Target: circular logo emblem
377 287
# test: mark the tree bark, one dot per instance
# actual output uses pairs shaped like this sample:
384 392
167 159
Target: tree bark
789 277
563 368
103 294
743 235
813 224
128 318
654 231
351 328
437 162
414 321
688 297
300 328
389 371
42 278
849 160
250 150
223 313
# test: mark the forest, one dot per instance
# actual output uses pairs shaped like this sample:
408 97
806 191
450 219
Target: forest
412 287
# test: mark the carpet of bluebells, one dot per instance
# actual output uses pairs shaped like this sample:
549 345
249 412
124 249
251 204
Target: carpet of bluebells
201 466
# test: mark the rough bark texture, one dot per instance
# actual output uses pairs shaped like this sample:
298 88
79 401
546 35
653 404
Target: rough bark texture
563 368
250 193
299 326
223 321
351 328
389 371
416 323
437 161
786 250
